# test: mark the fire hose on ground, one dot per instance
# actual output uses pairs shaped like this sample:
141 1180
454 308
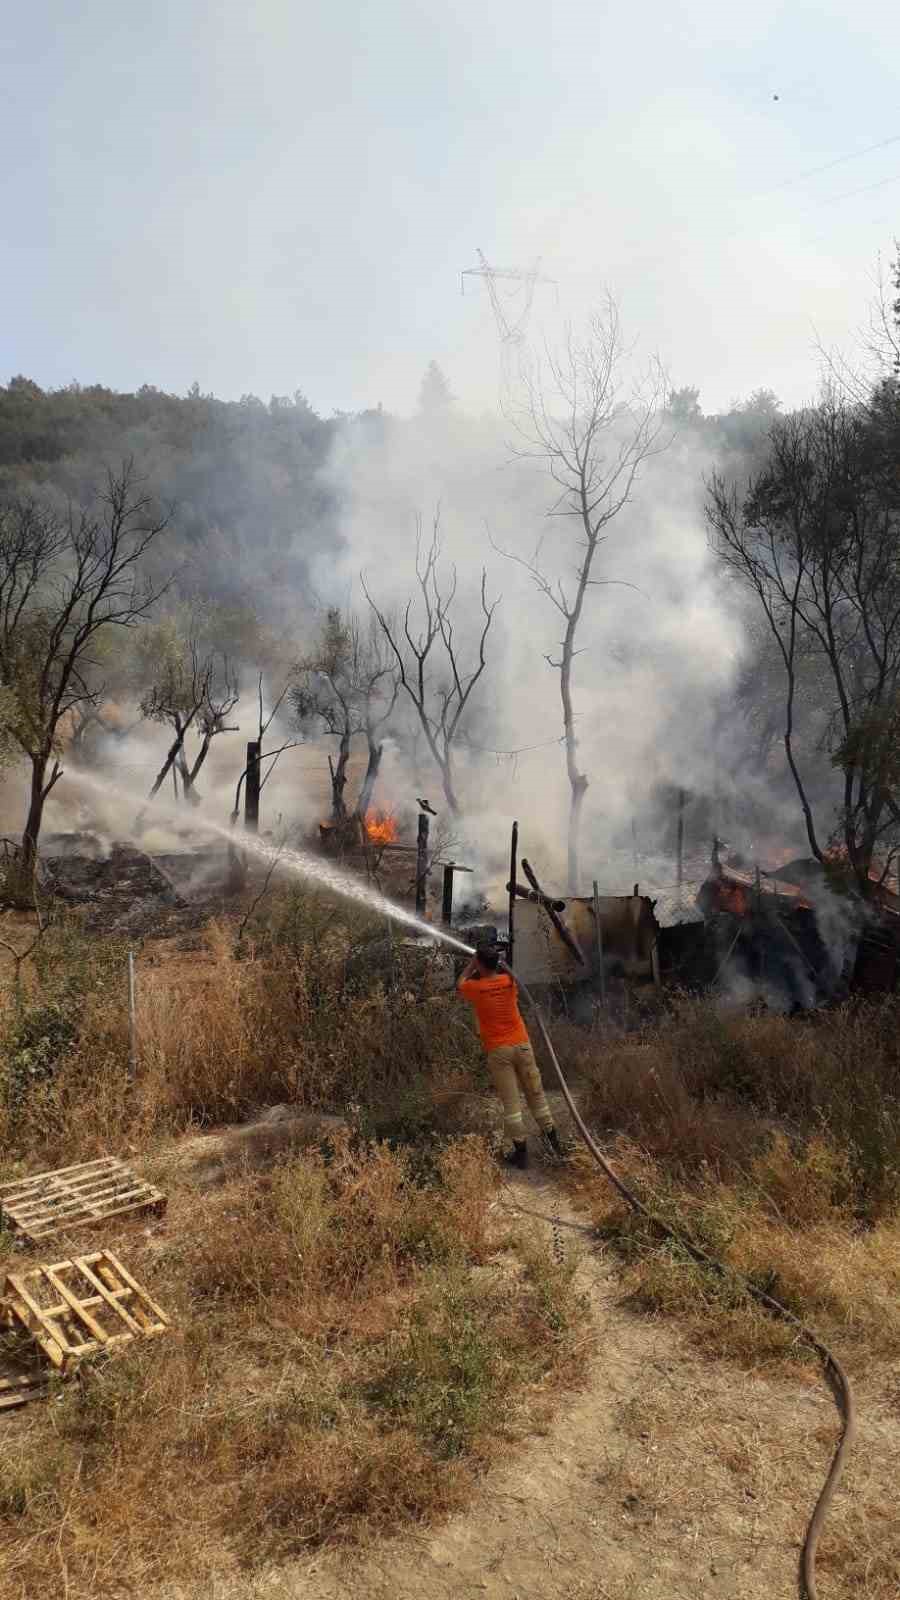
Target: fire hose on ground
832 1367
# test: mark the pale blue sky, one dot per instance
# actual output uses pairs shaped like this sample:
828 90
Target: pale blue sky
277 196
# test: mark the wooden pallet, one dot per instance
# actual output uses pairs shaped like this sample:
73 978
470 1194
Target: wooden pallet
79 1307
74 1197
18 1391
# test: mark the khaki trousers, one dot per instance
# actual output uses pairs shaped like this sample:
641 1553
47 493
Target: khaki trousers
515 1072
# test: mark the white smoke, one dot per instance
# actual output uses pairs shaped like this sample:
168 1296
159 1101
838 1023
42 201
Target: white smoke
658 647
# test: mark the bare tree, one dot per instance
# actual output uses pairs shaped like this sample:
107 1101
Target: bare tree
264 724
873 374
348 684
182 688
64 581
326 693
379 686
222 694
430 667
594 443
881 339
815 541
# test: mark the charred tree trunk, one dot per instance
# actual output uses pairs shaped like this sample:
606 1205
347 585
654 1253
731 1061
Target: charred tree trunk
22 889
28 853
376 751
422 865
338 771
182 770
251 793
512 888
189 775
171 758
579 789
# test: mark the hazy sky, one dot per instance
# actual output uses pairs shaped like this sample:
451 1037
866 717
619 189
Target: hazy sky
272 194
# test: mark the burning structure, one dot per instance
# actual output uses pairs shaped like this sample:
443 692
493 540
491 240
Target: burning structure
609 934
579 940
788 936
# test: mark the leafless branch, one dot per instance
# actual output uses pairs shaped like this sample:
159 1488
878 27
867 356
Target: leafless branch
429 662
594 440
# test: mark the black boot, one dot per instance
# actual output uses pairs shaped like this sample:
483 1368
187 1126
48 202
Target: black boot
517 1156
551 1138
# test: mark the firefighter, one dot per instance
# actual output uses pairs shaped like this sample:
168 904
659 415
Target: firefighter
510 1057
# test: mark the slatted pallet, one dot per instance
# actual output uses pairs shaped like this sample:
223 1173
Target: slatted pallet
74 1197
18 1391
76 1308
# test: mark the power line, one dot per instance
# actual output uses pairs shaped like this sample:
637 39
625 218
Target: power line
826 166
866 189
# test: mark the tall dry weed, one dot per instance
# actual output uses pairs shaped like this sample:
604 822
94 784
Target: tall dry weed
220 1032
707 1090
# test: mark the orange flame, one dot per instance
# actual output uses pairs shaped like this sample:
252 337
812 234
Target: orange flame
732 897
381 827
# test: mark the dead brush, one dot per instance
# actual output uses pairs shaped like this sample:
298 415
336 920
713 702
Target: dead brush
347 1226
639 1089
334 1368
219 1034
211 1043
715 1085
785 1222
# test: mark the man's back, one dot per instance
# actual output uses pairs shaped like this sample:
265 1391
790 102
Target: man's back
496 1003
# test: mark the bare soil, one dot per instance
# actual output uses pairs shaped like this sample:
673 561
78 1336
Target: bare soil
667 1478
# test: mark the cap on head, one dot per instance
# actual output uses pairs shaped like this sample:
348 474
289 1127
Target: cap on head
488 956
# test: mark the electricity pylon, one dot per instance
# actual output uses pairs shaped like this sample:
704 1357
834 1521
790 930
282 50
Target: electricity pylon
511 330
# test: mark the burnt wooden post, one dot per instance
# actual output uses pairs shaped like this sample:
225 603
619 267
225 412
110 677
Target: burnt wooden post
513 867
447 901
421 864
679 871
567 938
132 1021
251 793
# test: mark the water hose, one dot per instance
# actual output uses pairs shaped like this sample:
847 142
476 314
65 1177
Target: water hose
838 1378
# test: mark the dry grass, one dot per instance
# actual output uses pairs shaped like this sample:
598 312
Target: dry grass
706 1089
350 1343
347 1353
736 1466
287 1017
775 1145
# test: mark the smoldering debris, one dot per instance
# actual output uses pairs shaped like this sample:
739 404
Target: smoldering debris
130 892
783 938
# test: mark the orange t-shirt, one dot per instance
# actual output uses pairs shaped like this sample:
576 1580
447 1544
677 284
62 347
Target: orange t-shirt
497 1009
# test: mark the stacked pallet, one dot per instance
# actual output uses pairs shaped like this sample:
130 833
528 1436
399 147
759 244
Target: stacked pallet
84 1305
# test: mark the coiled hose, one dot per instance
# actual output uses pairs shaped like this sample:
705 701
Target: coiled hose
838 1378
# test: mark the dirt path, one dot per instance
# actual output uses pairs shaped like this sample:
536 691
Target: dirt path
666 1478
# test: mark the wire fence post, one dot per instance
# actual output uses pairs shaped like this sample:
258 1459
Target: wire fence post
132 1021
